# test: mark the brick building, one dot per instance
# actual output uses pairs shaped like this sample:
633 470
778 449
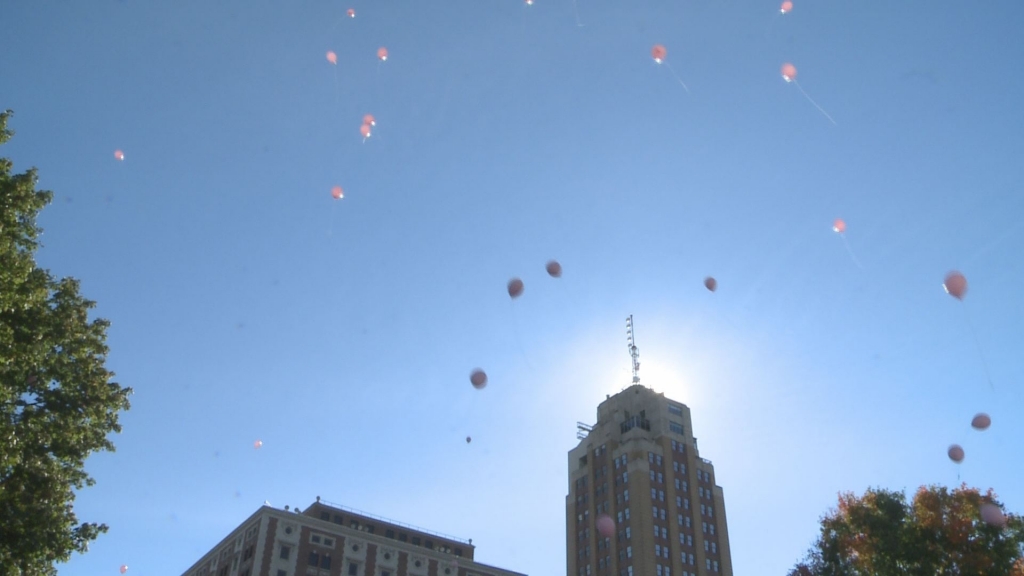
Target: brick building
332 540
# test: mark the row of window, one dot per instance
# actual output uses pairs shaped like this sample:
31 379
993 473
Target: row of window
402 536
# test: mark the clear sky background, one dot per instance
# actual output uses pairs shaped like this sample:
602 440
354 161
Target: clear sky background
248 304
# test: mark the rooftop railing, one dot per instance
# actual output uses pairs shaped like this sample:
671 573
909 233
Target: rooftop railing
396 523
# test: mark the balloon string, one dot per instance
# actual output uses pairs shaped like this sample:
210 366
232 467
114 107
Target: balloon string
811 100
680 80
576 10
850 251
977 343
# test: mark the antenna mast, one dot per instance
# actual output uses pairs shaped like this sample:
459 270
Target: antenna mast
634 353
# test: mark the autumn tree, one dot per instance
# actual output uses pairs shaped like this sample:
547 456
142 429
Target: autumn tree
941 532
57 401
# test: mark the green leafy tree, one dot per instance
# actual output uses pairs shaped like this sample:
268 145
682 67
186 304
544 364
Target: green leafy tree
57 401
941 532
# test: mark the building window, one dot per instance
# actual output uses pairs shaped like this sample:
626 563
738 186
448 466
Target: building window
337 519
657 460
657 550
654 494
415 540
703 510
325 562
661 494
652 475
676 410
325 515
705 527
314 539
625 493
686 503
627 513
629 551
716 565
706 546
627 532
675 428
710 514
661 478
650 457
620 517
662 513
707 563
328 542
659 570
282 573
353 569
314 559
712 529
714 548
390 534
285 552
664 532
428 544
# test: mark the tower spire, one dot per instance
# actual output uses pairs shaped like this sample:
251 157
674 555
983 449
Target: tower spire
634 353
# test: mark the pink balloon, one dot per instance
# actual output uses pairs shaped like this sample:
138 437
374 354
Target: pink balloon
956 453
788 72
257 444
337 193
332 57
956 285
554 269
992 515
711 284
515 287
119 155
786 7
605 526
981 421
124 568
478 378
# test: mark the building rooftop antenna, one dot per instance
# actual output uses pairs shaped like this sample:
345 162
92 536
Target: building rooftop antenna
634 353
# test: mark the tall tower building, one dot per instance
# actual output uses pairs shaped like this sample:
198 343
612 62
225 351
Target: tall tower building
640 466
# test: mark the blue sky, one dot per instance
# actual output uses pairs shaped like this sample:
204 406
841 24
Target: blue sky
247 304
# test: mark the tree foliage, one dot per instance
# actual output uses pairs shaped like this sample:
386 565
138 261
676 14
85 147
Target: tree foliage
57 401
940 532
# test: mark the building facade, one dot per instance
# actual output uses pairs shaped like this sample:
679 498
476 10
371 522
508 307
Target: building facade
639 465
332 540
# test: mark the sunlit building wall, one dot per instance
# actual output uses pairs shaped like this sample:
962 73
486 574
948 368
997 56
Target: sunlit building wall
332 540
639 464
